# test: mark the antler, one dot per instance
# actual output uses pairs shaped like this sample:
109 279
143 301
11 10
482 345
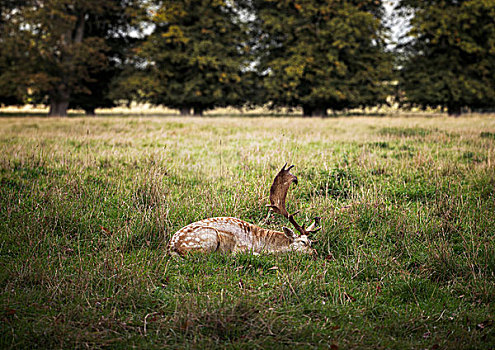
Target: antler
279 189
278 193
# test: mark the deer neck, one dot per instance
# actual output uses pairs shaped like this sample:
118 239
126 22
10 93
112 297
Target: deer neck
265 240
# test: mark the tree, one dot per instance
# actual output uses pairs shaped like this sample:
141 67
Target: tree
10 94
96 93
449 60
114 27
196 56
59 47
323 54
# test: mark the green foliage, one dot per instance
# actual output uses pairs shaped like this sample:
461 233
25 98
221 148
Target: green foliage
323 54
114 26
202 54
450 59
196 56
60 48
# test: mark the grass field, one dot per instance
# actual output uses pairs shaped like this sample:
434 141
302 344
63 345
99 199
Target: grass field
406 256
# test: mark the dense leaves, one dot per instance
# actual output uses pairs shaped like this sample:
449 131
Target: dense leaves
197 55
323 54
450 59
202 54
57 48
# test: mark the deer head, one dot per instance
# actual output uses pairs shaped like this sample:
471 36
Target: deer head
278 194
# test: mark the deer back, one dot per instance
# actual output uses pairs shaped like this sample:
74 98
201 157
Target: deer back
227 234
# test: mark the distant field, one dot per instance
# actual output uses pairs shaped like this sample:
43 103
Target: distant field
406 253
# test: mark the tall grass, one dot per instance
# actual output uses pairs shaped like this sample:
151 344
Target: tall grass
406 256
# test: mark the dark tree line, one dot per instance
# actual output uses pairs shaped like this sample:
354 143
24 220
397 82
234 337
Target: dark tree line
196 55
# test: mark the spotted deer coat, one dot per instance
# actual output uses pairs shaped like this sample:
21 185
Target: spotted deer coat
230 235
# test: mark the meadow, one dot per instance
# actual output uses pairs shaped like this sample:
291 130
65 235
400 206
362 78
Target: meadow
406 254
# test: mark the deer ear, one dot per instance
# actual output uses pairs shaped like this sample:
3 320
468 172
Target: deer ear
289 233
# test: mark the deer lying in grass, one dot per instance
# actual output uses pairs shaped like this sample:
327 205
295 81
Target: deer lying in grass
230 235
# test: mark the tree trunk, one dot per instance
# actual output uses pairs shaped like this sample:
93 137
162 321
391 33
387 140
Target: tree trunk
319 112
307 111
90 111
198 111
59 102
314 111
185 111
454 111
58 108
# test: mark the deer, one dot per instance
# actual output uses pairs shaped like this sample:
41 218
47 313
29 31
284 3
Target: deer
232 235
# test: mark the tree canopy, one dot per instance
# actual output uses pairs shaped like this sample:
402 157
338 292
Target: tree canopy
450 59
197 55
202 54
59 47
323 54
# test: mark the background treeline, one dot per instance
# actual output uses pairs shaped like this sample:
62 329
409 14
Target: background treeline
196 55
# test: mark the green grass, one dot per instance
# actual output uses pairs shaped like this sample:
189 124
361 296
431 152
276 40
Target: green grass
406 256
